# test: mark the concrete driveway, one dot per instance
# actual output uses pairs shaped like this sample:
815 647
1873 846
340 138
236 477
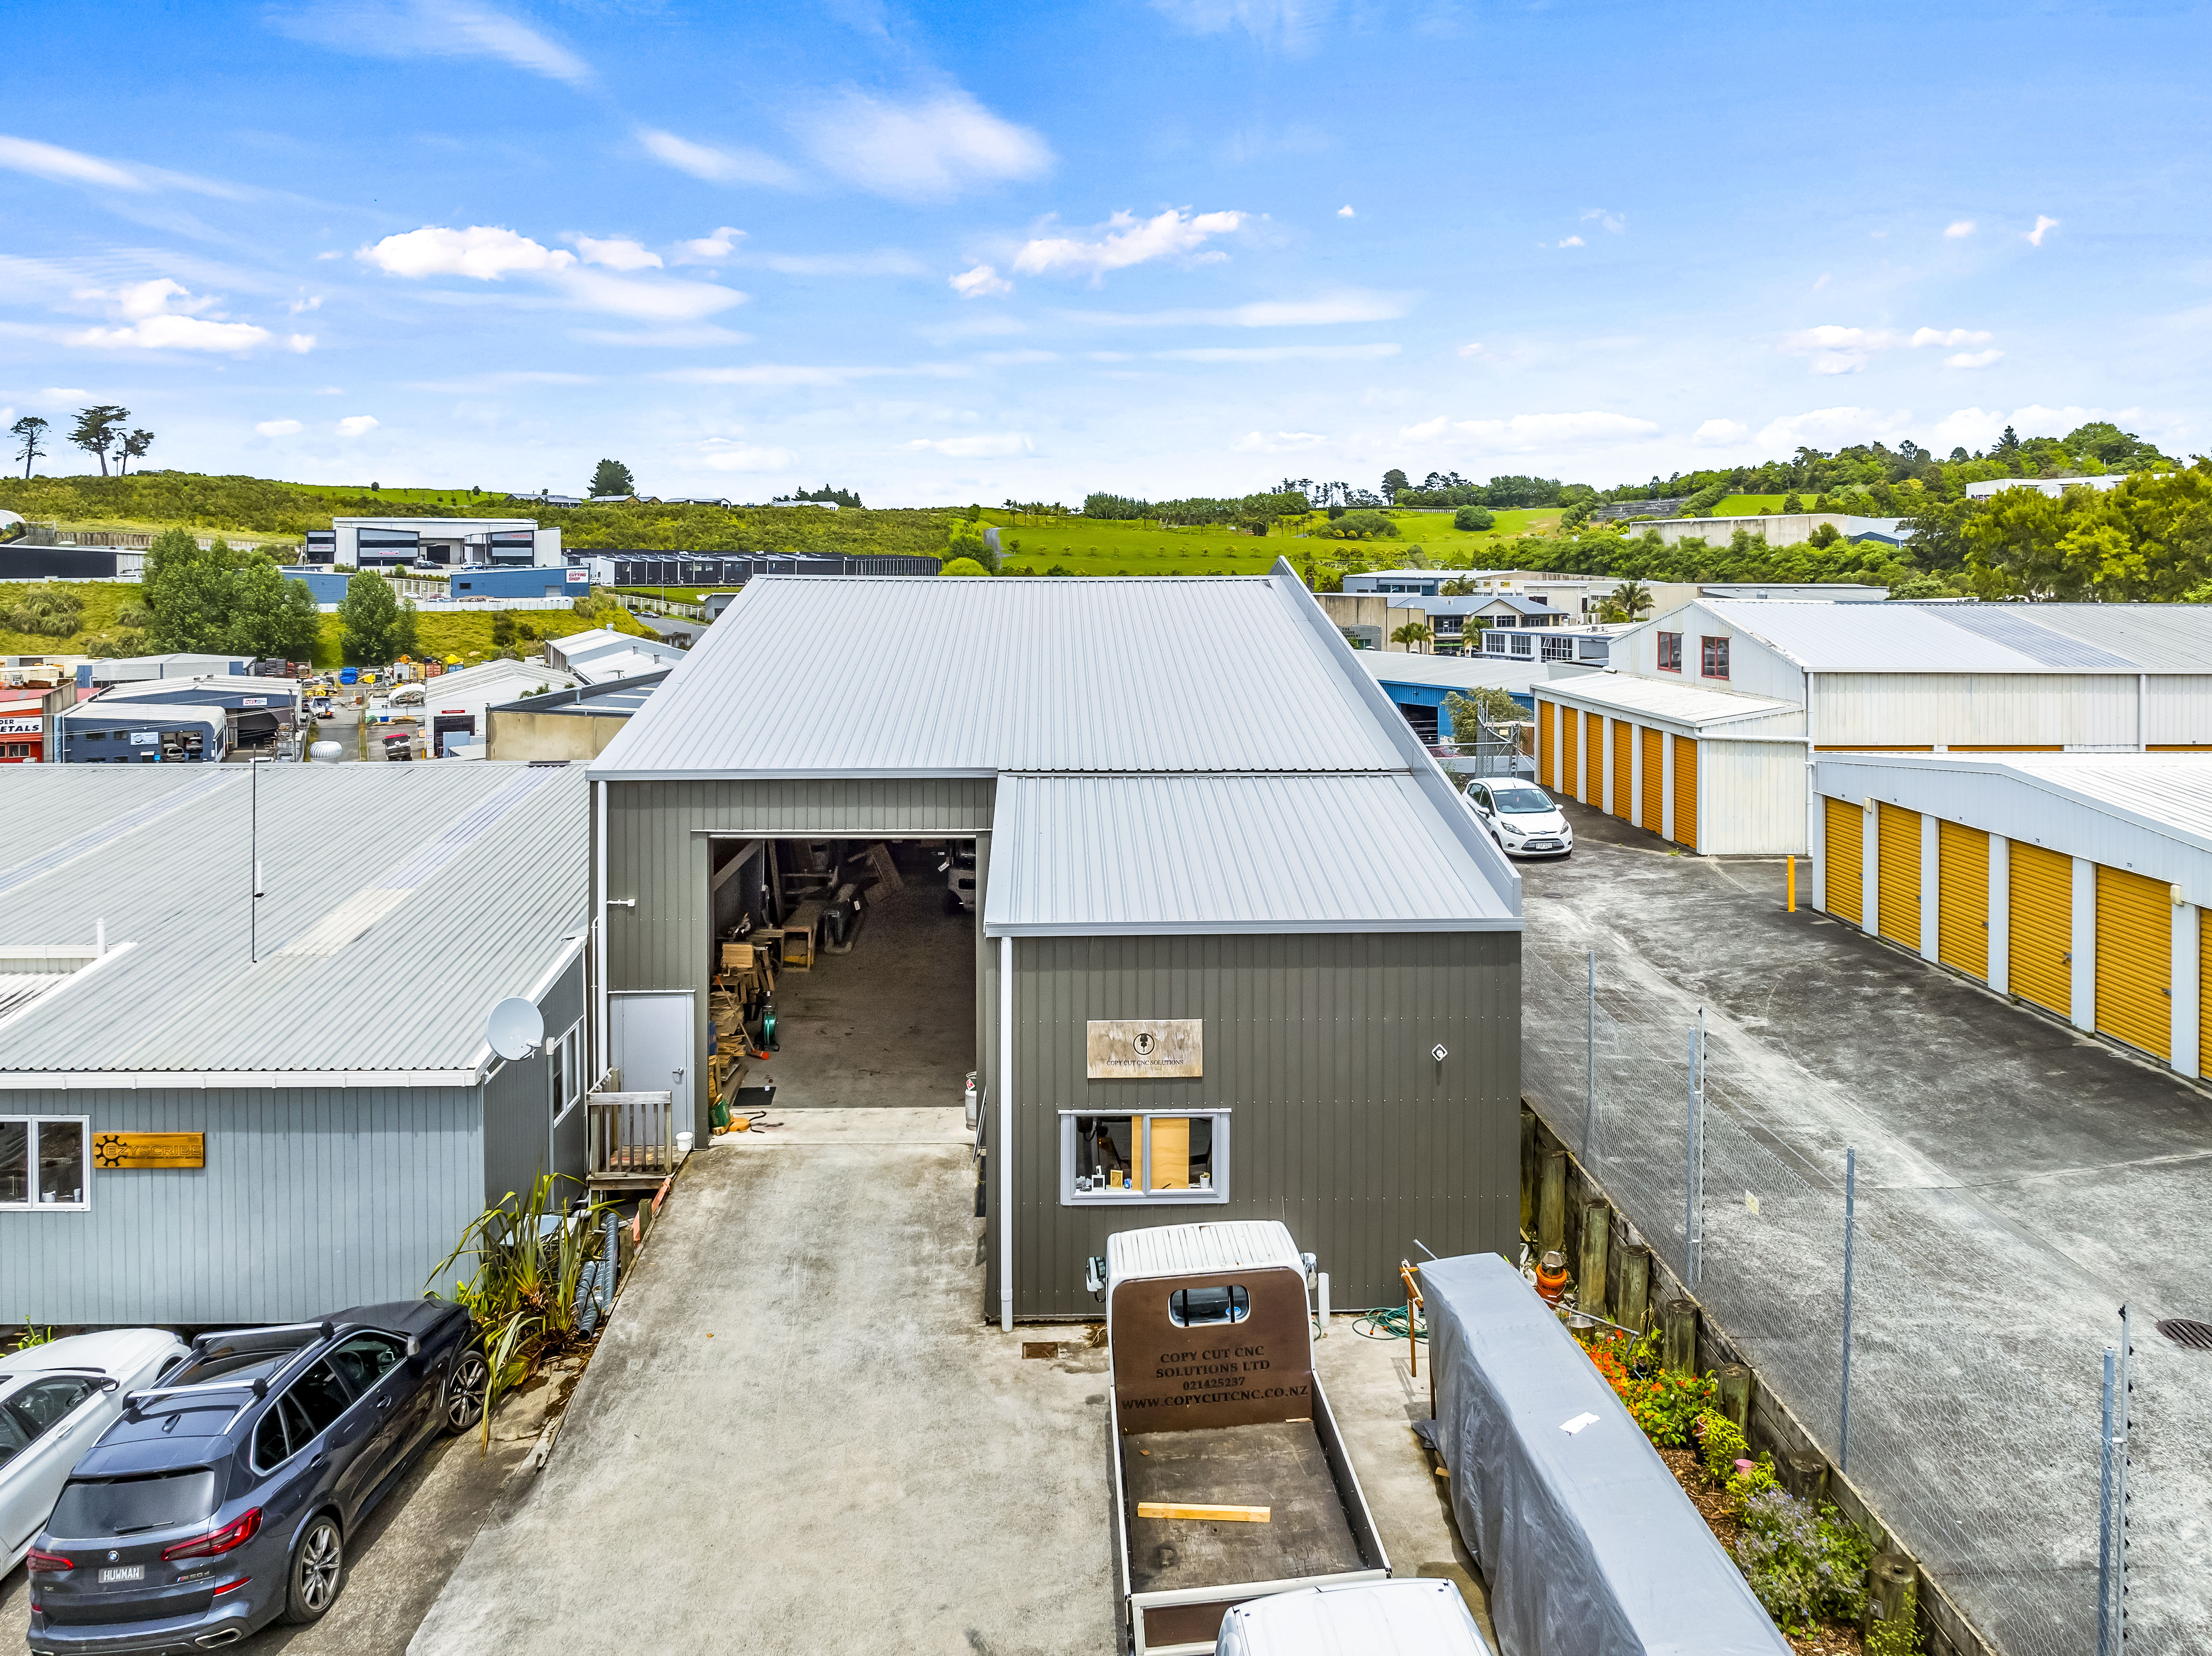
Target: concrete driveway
2017 1183
798 1434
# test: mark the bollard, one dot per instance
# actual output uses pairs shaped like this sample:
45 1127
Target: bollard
1597 1243
1793 885
1634 1309
1805 1475
1552 1204
1678 1336
1735 1394
1891 1627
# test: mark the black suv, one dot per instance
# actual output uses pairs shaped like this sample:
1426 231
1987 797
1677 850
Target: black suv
222 1499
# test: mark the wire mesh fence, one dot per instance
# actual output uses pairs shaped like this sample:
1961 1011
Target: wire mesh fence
1975 1370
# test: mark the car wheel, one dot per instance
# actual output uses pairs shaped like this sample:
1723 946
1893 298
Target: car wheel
317 1561
465 1391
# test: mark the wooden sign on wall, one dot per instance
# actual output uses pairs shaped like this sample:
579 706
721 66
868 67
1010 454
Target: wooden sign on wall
117 1151
1144 1048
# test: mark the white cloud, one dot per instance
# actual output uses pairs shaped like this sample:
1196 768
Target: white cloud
161 315
279 428
727 454
1573 241
884 261
300 343
1277 353
1973 359
1528 431
2044 227
1324 311
1127 241
485 251
672 338
1016 358
1277 442
1959 228
1472 348
707 249
1947 337
617 253
434 28
648 301
1346 212
47 161
713 166
980 283
1837 350
1822 282
300 306
975 448
1831 428
1291 25
926 150
1718 433
1613 223
356 425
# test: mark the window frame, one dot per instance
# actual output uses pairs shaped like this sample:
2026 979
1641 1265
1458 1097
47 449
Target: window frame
1670 644
1709 645
35 1123
1212 1195
565 1063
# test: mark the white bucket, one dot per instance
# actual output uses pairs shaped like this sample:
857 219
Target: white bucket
683 1142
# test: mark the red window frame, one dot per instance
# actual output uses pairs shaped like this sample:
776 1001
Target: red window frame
1713 653
1670 652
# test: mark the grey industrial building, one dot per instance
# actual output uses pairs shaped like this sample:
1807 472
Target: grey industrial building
329 1052
1261 933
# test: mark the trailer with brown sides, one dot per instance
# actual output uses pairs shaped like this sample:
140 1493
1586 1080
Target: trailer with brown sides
1230 1479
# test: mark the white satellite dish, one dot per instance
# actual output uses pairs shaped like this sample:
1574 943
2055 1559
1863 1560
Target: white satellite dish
515 1027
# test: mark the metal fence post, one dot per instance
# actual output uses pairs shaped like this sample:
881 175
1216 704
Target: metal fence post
2122 1412
2105 1443
1851 1234
1693 1197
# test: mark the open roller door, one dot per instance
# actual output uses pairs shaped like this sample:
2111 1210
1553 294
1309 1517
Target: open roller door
1898 861
1962 899
2042 928
2135 961
1844 876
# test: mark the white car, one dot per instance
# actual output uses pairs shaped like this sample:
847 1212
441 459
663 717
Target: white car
1522 818
55 1401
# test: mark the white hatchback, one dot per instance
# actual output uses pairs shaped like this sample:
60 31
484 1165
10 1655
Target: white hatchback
55 1401
1522 817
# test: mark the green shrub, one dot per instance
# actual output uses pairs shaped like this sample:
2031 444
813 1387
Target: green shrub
1474 517
1899 1636
43 608
1721 1444
963 566
1799 1564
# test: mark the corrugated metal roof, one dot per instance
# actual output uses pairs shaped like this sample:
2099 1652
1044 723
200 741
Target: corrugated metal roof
402 901
1664 698
1463 672
1095 855
798 678
1905 637
2170 794
1195 1250
617 700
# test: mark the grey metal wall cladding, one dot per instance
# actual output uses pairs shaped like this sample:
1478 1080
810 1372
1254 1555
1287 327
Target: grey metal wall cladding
657 852
517 1131
312 1200
1345 1128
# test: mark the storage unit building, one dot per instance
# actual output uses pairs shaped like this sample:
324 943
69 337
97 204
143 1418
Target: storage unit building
1278 949
2075 883
1709 769
212 1115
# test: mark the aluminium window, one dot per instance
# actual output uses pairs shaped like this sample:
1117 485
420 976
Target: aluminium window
45 1162
1163 1156
564 1070
1713 660
1670 652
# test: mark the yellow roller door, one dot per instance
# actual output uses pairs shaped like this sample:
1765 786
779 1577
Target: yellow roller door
1594 745
1686 791
1962 899
2042 927
2135 961
1897 856
1547 746
1571 730
1654 780
1845 885
1624 767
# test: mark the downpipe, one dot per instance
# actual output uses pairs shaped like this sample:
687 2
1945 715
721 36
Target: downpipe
1004 1147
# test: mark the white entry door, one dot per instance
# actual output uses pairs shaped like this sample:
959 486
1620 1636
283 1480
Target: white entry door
653 1036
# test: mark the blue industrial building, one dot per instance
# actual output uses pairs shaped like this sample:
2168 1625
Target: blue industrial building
521 581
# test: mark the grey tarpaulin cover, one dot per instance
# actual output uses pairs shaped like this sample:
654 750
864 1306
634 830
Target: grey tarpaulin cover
1590 1547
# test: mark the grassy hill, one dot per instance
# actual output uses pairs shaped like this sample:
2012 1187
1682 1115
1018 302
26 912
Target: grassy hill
1078 546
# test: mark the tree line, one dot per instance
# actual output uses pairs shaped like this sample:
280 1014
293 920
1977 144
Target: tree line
1254 514
103 430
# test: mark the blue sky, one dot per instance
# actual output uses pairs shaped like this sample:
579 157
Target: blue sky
944 254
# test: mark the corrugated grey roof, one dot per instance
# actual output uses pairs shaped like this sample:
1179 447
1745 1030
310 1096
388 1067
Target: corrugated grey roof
402 901
616 700
798 678
2170 794
1095 855
1904 637
1694 705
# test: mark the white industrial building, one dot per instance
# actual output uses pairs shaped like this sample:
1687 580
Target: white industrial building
445 543
1989 486
602 655
1753 690
2076 882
